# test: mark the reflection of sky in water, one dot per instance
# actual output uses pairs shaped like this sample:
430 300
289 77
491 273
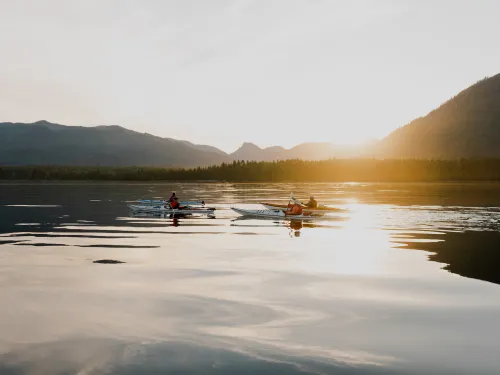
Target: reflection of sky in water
219 296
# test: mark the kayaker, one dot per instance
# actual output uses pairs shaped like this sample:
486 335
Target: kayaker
296 209
172 198
175 204
312 203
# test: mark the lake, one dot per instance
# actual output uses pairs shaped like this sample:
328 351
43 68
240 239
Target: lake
403 280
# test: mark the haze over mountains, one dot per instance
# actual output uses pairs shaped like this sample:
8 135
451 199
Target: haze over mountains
467 126
305 151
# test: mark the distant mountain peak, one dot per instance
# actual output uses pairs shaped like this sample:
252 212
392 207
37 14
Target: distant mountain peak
249 145
43 122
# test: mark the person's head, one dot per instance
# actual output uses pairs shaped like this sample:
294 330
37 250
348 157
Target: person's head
173 194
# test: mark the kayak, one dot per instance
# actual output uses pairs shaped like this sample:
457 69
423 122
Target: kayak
158 202
284 207
276 214
170 211
179 215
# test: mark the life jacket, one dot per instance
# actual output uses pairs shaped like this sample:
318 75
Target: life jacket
296 209
174 204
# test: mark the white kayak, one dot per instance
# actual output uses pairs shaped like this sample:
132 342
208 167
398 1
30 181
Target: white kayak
170 211
159 202
276 214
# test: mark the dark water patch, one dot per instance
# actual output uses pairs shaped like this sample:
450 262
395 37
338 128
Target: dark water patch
48 235
108 261
120 246
473 254
40 244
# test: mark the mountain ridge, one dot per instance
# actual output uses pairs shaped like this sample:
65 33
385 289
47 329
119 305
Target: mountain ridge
466 126
43 142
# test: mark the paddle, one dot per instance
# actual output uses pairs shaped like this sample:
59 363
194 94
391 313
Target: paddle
295 200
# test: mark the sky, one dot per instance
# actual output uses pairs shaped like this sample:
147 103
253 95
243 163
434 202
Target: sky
224 72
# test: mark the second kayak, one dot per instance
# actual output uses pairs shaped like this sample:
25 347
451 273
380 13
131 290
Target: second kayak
284 207
276 214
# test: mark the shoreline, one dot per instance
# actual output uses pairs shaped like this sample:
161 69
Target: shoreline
165 182
289 171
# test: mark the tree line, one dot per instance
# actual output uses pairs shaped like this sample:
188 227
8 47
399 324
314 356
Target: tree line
334 170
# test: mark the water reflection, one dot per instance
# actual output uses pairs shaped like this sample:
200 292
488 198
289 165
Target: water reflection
295 227
351 294
96 356
471 254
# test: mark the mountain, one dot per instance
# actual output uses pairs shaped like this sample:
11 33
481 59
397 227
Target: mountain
249 151
46 143
43 143
467 126
305 151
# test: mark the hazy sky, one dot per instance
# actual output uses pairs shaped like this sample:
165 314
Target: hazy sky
222 72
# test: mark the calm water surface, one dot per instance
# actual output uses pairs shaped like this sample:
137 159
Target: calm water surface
403 281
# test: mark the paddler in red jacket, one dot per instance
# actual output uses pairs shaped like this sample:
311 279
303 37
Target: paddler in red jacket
295 208
175 204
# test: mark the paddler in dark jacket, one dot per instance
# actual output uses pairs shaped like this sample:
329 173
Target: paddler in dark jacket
172 198
312 203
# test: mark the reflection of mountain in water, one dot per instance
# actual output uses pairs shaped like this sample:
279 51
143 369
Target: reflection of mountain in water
474 254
